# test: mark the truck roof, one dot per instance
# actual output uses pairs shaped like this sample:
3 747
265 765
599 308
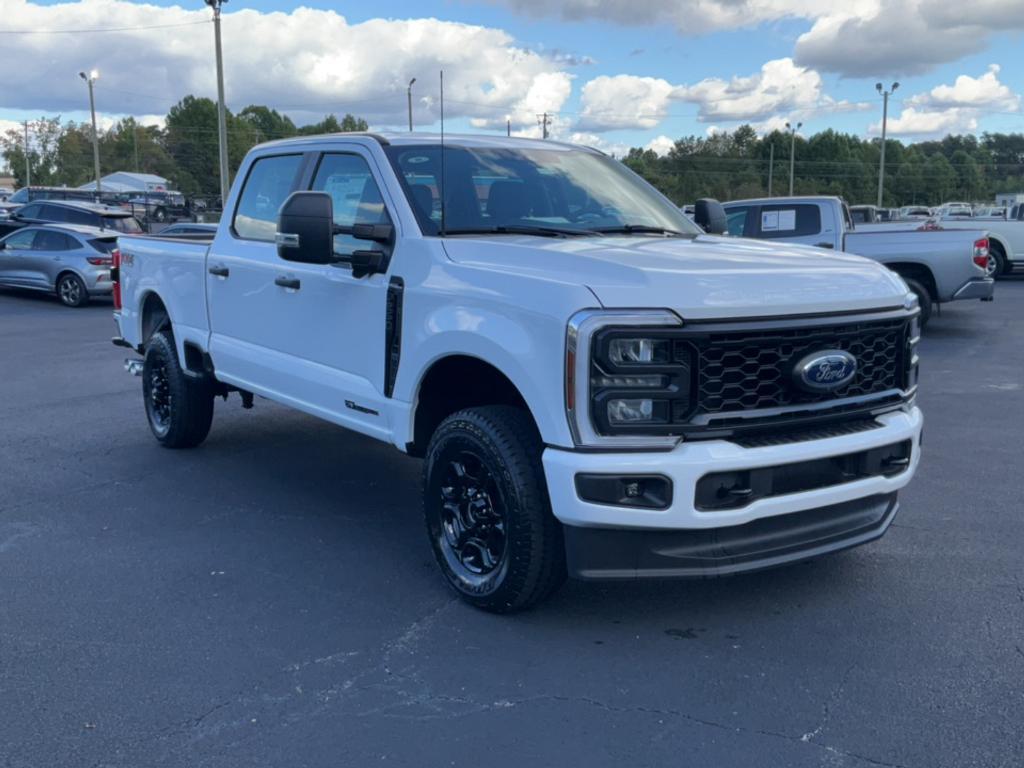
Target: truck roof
794 199
475 140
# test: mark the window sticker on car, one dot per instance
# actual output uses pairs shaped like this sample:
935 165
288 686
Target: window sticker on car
769 221
787 219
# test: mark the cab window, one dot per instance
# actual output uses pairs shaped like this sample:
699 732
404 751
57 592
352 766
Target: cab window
736 220
354 194
270 181
790 220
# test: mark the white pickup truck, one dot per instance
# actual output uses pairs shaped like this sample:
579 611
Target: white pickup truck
939 266
597 388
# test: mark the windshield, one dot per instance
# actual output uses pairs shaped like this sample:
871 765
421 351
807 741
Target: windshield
531 191
21 196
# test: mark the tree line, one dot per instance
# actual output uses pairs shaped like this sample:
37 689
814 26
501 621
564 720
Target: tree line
184 151
726 165
737 165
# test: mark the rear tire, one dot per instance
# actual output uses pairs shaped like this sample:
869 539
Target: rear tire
179 408
924 299
996 266
487 510
71 290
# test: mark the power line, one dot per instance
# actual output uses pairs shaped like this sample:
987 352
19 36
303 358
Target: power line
91 31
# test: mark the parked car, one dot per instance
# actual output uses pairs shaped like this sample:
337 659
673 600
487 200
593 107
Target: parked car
909 212
568 352
938 266
864 214
189 228
71 261
68 212
5 193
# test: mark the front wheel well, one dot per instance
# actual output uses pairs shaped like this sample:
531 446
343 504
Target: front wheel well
917 272
454 383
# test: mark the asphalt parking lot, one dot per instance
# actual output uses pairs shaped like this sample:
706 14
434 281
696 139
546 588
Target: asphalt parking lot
270 599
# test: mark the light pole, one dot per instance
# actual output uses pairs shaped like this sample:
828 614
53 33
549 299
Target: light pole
792 152
408 93
885 118
222 122
508 125
771 166
90 79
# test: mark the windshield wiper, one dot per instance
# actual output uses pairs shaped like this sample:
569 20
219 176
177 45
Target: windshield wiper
522 229
642 229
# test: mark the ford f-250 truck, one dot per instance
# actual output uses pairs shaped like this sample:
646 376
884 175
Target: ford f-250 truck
938 266
597 388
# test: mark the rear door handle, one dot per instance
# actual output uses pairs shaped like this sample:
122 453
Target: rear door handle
825 245
288 282
219 271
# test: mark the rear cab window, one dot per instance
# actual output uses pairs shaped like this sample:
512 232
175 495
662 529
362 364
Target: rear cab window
789 220
269 182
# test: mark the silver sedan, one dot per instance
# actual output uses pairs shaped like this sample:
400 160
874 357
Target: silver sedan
72 262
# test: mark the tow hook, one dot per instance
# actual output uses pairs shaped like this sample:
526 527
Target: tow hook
134 367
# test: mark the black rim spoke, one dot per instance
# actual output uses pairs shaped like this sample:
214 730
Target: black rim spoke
472 517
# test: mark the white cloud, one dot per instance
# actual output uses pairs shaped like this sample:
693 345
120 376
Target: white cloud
952 108
780 86
856 38
660 145
305 62
985 92
623 101
780 91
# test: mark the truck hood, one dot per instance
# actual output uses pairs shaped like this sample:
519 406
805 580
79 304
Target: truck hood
704 277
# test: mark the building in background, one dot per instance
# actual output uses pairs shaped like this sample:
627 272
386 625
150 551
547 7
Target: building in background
1009 199
125 181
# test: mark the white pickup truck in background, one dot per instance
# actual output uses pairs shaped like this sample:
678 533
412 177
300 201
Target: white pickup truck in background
597 387
938 265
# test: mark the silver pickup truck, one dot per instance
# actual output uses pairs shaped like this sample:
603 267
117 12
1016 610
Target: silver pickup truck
939 266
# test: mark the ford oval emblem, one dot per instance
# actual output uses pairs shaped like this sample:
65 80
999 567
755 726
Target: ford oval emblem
825 371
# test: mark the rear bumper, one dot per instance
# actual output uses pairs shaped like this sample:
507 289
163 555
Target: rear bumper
976 288
609 553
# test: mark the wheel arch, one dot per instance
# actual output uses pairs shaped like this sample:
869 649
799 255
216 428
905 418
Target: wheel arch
153 316
453 382
917 271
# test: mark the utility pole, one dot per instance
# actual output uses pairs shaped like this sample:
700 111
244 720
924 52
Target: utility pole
544 121
792 153
28 162
508 125
885 118
408 93
90 79
222 122
135 146
771 166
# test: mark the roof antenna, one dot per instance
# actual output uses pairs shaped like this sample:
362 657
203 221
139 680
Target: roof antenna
442 184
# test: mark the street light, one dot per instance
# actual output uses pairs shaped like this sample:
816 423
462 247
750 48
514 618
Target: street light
408 93
885 117
222 122
90 79
508 125
792 152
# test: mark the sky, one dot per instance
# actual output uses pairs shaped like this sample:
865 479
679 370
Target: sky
609 73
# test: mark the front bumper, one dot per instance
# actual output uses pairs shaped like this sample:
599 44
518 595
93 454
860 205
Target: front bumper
688 462
976 288
614 553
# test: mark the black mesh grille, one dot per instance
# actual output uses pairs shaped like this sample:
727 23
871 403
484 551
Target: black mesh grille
748 370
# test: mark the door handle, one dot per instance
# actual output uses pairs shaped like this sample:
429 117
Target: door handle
288 282
219 271
825 245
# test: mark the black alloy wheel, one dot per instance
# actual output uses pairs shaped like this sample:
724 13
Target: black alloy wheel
473 518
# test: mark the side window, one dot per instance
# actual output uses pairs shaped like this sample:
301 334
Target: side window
736 220
77 216
22 240
29 211
54 213
355 194
270 181
51 241
790 220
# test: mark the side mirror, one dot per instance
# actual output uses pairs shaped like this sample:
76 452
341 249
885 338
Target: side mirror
305 228
709 215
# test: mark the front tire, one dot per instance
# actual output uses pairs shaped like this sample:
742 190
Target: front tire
179 408
924 299
487 510
71 290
